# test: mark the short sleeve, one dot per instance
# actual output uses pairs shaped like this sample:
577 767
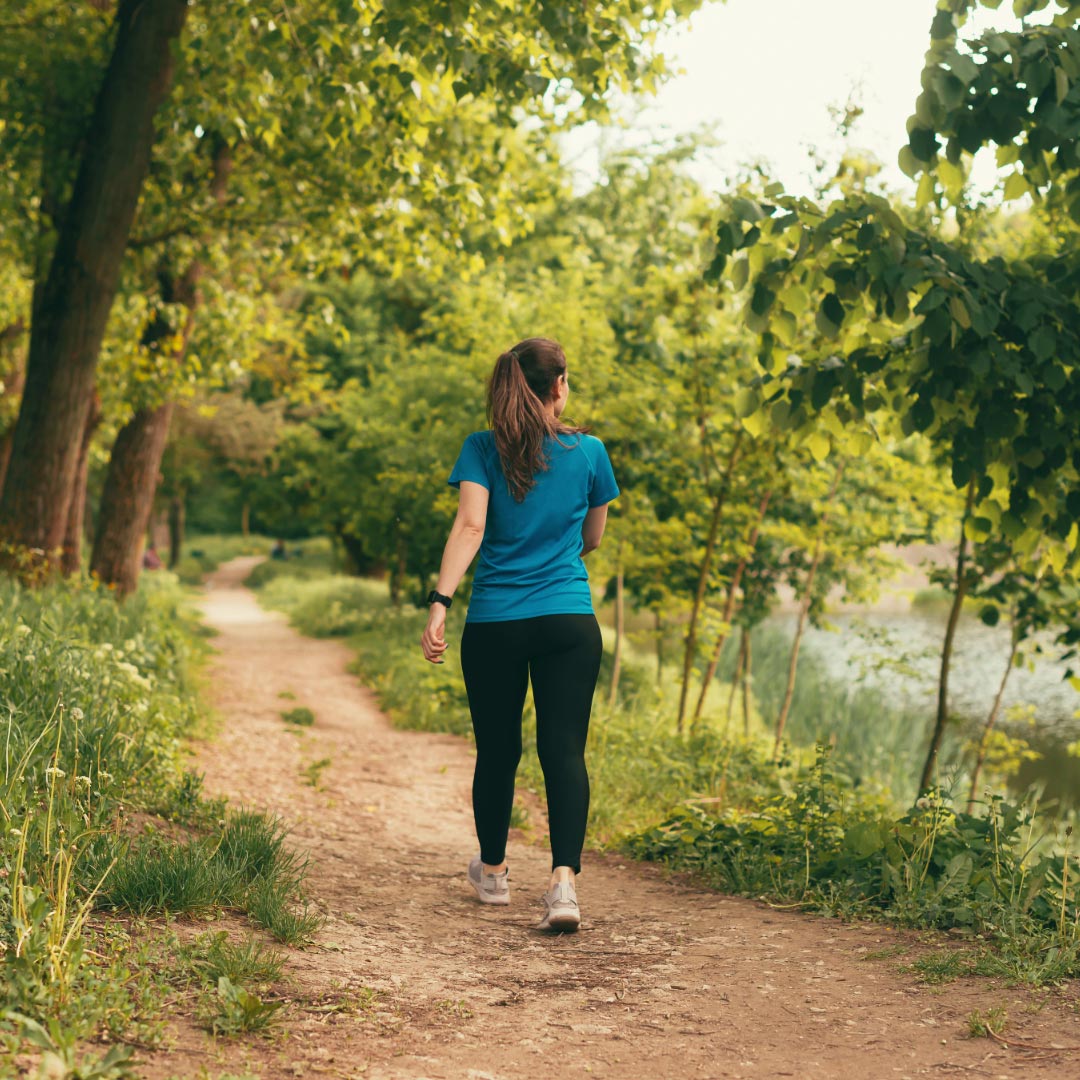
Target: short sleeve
603 488
470 465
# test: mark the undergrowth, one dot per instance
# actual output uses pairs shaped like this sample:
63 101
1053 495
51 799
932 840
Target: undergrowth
802 831
98 815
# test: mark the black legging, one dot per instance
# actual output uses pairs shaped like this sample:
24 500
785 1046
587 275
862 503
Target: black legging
562 653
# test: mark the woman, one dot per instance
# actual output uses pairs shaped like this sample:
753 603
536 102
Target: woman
533 500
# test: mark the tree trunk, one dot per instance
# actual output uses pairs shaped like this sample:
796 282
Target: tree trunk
804 611
658 621
620 627
13 388
729 605
71 561
78 293
177 517
127 501
128 498
747 675
358 561
703 577
980 754
245 518
960 591
740 660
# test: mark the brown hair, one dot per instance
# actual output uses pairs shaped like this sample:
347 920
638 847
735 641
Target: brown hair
519 390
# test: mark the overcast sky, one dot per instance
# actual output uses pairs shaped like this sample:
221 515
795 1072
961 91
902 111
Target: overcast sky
764 73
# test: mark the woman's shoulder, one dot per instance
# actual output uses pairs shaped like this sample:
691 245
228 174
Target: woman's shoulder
482 439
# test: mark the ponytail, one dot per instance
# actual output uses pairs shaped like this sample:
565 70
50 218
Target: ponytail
518 394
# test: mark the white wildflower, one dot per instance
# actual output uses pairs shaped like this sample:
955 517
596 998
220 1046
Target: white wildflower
103 776
77 713
82 782
923 804
52 773
22 629
16 833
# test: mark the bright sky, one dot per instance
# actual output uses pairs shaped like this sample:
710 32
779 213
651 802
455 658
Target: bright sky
764 73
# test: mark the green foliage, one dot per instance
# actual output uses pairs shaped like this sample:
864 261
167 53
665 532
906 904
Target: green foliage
96 698
793 831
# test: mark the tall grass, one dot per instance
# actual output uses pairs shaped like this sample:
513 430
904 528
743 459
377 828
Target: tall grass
96 699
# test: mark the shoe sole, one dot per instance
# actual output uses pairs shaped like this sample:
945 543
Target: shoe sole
561 923
487 898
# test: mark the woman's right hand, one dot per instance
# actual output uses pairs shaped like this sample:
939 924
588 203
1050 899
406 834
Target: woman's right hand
434 641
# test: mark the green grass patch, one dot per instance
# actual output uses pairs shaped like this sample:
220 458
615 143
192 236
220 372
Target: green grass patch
98 813
300 716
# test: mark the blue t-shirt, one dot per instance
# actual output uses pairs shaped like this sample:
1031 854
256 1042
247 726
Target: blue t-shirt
530 558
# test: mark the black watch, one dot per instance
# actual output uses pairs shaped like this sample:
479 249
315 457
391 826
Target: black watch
434 597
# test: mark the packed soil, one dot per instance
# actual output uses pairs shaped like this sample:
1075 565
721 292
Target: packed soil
411 977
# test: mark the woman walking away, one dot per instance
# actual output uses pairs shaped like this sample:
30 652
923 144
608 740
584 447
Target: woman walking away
533 500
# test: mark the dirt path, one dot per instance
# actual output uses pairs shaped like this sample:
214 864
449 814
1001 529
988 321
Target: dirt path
664 980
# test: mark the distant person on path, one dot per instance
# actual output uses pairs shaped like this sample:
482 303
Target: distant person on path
151 560
533 500
278 550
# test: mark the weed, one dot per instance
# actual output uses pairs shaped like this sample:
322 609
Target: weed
982 1025
272 911
943 966
287 695
300 716
239 1010
312 773
886 953
211 956
455 1008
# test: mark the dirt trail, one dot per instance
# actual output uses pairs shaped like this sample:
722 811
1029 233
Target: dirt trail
664 980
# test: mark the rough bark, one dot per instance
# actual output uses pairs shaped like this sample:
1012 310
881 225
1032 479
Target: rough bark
71 560
658 620
960 588
127 501
804 611
703 577
177 515
73 305
128 497
13 388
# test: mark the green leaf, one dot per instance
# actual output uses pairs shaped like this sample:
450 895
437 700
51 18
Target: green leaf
1061 84
1016 186
747 401
958 310
740 272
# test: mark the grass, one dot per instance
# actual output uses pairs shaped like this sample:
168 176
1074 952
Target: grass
300 716
99 815
821 829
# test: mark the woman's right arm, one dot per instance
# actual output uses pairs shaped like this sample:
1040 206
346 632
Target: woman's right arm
466 534
592 531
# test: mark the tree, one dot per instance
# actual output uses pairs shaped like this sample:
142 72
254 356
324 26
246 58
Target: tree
368 90
75 297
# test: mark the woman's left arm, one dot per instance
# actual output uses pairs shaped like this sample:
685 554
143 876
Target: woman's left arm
462 545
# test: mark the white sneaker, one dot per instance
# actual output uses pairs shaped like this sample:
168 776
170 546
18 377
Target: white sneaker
561 912
491 888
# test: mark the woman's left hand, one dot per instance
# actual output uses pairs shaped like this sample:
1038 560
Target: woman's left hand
434 642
